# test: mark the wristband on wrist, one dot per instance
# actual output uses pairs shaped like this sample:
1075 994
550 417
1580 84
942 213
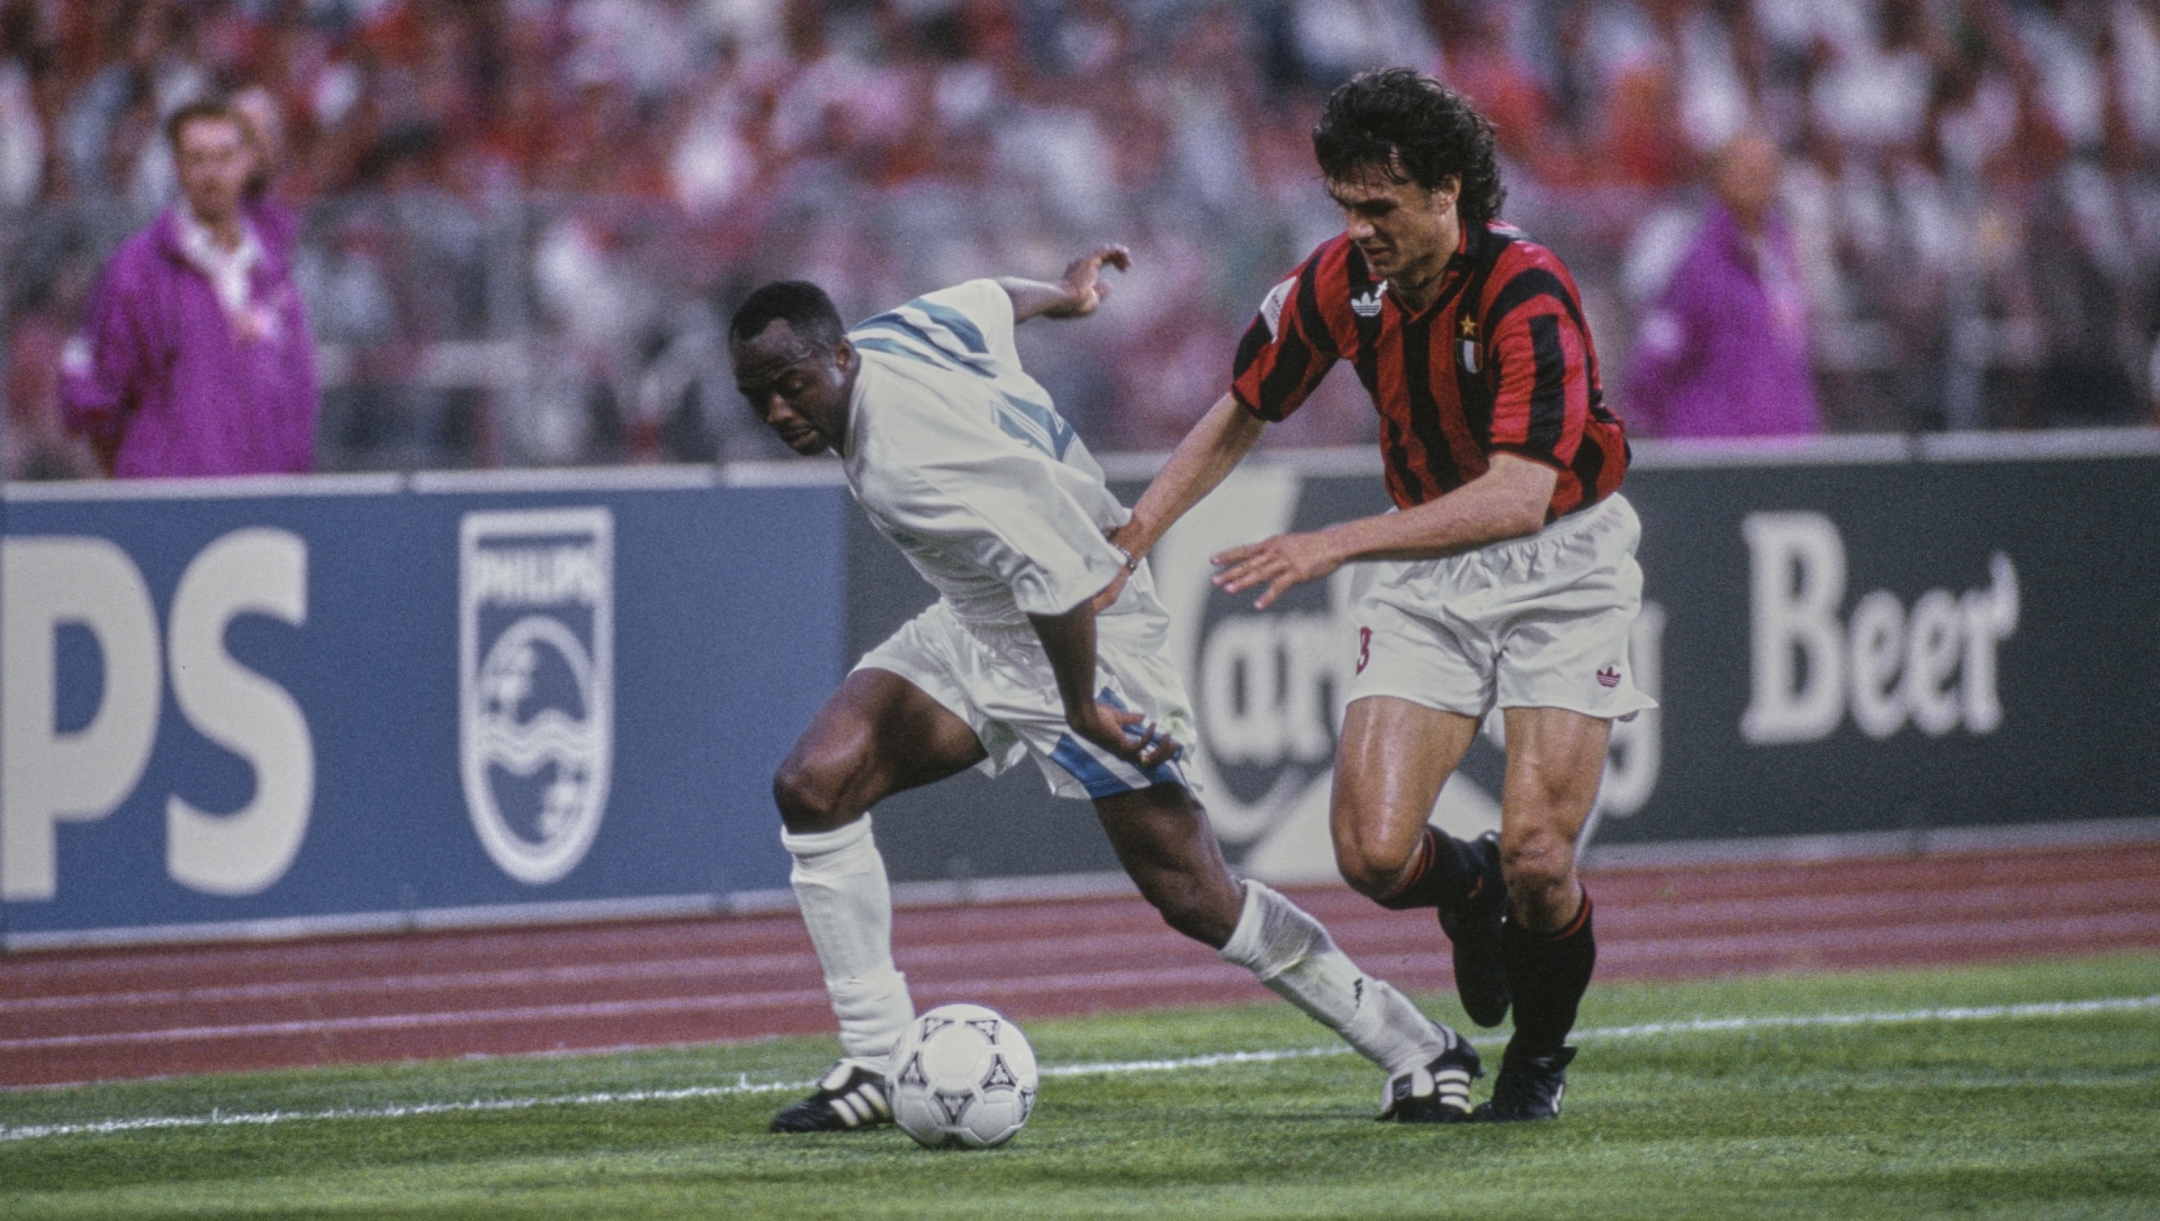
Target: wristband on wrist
1132 562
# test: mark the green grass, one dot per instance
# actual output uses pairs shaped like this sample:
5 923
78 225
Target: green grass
2053 1115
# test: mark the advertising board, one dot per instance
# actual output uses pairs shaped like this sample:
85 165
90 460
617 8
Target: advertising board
1847 638
284 706
301 705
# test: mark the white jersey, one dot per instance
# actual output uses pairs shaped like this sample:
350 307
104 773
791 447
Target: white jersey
959 458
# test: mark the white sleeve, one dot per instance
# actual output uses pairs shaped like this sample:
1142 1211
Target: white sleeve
980 314
1007 511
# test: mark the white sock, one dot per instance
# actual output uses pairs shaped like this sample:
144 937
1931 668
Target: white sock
1294 956
846 901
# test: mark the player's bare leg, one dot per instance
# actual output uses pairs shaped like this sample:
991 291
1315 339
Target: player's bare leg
1555 758
1393 758
876 735
1162 838
879 734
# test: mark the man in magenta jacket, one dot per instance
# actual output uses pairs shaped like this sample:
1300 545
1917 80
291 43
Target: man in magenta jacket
195 358
1724 353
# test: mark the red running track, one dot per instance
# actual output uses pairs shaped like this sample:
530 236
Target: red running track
68 1016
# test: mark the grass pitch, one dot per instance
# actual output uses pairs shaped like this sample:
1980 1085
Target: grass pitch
1994 1092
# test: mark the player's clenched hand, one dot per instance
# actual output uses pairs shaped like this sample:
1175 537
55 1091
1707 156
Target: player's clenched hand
1277 563
1128 735
1083 280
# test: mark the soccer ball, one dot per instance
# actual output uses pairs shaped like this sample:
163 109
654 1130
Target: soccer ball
961 1076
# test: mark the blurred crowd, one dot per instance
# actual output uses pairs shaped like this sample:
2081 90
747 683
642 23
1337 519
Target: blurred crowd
526 219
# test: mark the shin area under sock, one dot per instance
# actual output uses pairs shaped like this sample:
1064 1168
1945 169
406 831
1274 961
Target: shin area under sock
1294 956
1547 974
846 901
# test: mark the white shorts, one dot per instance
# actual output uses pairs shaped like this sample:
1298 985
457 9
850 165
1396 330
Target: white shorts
998 680
1535 622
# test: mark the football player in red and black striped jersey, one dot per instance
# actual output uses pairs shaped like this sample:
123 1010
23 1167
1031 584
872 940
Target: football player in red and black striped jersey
1505 576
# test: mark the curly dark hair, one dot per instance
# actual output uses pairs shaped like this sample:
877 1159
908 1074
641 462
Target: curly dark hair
1411 128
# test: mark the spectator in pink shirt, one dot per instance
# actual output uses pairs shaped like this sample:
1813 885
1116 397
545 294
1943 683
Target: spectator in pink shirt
196 357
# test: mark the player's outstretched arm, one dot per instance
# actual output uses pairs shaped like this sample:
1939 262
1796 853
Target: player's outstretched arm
1069 639
1074 296
1202 460
1507 501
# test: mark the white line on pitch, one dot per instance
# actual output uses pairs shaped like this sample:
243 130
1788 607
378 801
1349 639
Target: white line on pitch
744 1086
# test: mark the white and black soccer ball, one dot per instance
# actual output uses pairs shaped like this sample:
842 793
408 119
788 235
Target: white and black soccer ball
961 1076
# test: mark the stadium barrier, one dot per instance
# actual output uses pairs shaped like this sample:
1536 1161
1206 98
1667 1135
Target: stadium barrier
294 705
1864 644
285 706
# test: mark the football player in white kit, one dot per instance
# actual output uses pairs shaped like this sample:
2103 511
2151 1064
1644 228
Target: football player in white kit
1046 641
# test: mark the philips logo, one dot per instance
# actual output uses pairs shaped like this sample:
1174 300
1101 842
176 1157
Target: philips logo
536 668
538 576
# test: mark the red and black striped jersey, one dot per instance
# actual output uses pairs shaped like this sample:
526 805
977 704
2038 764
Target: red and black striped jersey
1500 361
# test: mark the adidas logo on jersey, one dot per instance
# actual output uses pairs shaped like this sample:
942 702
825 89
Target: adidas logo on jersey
1272 306
1608 677
1367 304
